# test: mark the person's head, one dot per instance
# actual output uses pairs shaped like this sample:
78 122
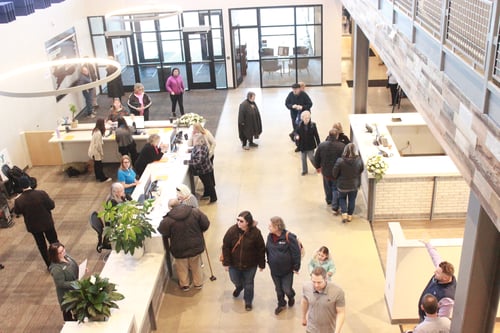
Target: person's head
350 151
154 140
302 85
84 70
305 116
323 253
24 183
125 162
276 225
121 122
296 88
175 71
245 220
197 128
338 127
183 192
56 252
429 304
251 96
333 134
318 278
138 88
199 140
173 203
100 126
444 272
117 104
117 192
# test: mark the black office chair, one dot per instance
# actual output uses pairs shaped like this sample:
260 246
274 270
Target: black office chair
98 226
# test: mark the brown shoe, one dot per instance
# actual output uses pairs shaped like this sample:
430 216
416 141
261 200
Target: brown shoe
349 218
344 218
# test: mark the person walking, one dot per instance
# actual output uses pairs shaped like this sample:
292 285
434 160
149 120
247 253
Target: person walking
243 250
323 304
392 84
249 122
64 270
324 159
202 166
36 207
175 87
297 101
432 322
283 258
442 285
211 143
96 150
347 174
342 137
307 139
139 102
183 226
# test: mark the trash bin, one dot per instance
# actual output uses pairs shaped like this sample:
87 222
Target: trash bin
163 74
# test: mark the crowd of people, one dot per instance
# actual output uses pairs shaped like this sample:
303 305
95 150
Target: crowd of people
244 249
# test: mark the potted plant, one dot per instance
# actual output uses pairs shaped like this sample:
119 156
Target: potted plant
91 298
74 122
128 224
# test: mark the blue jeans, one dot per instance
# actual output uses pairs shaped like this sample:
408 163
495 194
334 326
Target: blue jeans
283 286
88 102
347 201
243 279
331 192
308 154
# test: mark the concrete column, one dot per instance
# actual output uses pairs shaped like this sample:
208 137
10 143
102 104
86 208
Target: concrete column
360 77
478 285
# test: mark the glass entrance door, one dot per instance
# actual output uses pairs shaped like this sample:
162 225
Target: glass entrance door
122 49
200 68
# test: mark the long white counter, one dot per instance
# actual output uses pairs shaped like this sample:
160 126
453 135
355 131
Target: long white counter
421 181
74 144
142 280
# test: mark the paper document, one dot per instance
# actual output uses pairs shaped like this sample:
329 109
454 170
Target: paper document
82 269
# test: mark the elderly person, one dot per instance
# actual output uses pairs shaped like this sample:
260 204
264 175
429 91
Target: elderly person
64 270
341 136
307 139
249 122
432 322
202 166
117 194
297 101
183 226
243 250
126 175
209 138
347 174
139 102
152 151
283 258
185 196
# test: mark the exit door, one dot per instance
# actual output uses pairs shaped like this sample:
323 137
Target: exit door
200 68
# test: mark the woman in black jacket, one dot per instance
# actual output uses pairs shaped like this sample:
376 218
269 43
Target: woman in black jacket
243 249
307 139
347 172
152 151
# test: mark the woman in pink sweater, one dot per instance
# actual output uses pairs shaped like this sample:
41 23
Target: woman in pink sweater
175 87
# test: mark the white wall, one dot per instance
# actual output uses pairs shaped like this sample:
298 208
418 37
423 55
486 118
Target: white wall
23 43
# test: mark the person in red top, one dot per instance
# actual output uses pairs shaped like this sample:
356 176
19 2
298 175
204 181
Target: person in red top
175 86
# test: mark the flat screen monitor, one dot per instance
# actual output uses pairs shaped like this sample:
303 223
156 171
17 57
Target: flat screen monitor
138 120
173 140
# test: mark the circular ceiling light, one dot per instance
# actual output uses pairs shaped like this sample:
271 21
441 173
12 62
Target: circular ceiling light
23 75
144 13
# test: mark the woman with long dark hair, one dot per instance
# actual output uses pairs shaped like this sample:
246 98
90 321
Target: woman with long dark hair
96 150
124 140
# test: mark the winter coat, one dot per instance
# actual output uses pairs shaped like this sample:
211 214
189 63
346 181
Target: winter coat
96 150
175 85
301 99
249 121
327 154
184 226
347 173
35 206
148 154
283 256
308 136
249 253
115 86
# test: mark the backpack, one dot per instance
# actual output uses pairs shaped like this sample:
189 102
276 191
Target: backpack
14 174
301 247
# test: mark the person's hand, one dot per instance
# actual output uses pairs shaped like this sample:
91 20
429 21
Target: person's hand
299 107
297 137
296 272
304 322
172 93
261 269
318 170
424 241
226 268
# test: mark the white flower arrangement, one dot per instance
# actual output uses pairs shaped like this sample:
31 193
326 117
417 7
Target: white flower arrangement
189 119
377 167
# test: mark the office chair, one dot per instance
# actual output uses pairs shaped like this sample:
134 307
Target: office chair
98 226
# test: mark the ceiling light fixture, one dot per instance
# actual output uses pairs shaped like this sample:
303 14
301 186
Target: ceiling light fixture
144 13
47 68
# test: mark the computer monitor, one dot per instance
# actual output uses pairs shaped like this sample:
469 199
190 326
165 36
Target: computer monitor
147 191
138 120
173 140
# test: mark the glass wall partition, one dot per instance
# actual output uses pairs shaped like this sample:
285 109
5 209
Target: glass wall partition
285 41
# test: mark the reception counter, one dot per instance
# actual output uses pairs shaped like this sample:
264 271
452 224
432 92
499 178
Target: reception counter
75 143
421 182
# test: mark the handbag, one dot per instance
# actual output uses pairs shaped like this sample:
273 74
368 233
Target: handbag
221 256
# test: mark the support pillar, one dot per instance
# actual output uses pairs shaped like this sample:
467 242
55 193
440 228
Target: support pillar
360 77
478 282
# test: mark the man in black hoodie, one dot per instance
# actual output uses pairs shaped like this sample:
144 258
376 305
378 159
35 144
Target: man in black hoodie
184 226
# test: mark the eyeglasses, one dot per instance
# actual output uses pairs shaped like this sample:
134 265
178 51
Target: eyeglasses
126 162
240 220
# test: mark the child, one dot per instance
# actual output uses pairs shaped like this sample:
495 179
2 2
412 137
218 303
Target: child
322 259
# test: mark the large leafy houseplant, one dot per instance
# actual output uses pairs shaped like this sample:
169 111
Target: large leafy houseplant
91 298
129 224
